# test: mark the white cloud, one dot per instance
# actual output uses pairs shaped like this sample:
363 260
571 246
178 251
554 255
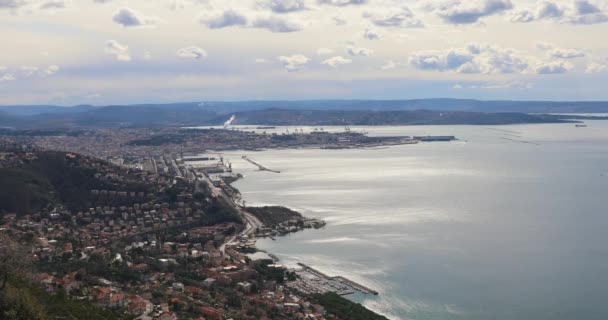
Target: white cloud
324 51
12 4
400 18
581 12
342 3
474 58
224 19
521 85
120 51
193 52
276 24
49 71
595 67
552 67
294 62
389 65
128 17
147 55
28 70
7 77
54 4
559 53
359 51
336 61
285 6
371 34
260 60
470 11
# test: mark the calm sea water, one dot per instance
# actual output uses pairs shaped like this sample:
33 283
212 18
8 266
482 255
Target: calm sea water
481 228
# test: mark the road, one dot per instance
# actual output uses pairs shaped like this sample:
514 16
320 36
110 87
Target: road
252 223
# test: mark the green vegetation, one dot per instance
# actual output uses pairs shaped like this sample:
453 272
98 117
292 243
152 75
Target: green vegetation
273 215
346 309
24 301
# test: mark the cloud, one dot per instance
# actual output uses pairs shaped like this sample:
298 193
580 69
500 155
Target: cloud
521 85
55 4
49 71
559 53
260 60
127 17
371 34
12 4
336 61
276 24
285 6
595 67
342 3
294 62
28 70
475 58
389 65
324 51
581 12
7 77
193 52
552 67
470 11
120 51
401 18
359 51
224 19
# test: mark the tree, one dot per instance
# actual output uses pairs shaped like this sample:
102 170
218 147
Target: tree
14 259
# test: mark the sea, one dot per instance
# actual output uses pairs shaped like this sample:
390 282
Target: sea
507 222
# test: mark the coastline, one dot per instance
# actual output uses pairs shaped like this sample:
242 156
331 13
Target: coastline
338 286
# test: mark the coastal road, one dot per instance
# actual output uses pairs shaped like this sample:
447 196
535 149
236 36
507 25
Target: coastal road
252 223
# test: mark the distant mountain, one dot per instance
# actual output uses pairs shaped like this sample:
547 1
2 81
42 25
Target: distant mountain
370 112
417 117
36 110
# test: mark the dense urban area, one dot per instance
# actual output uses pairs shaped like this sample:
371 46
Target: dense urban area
143 224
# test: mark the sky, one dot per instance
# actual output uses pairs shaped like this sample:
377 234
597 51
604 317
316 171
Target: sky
99 52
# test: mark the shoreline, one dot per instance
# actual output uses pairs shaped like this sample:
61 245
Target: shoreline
310 281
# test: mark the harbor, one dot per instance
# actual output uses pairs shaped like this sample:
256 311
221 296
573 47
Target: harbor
313 281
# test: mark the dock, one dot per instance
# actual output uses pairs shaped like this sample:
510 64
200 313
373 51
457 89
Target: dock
342 285
260 167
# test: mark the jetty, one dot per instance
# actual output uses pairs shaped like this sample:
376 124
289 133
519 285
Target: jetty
260 167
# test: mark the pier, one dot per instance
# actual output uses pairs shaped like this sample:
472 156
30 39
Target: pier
260 167
339 284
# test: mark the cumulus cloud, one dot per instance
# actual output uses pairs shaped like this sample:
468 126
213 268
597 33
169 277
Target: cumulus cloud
552 67
260 60
342 3
401 18
50 70
7 77
359 51
276 24
128 17
371 34
224 19
193 52
595 67
28 70
389 65
559 53
475 58
580 12
55 4
12 4
470 11
294 62
336 61
284 6
324 51
120 51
